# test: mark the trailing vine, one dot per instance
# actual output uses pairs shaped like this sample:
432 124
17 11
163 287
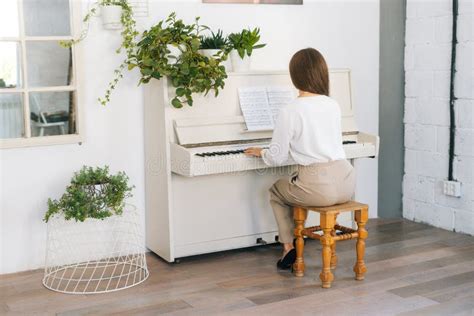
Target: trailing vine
128 33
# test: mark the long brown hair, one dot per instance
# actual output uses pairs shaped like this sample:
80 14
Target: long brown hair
309 71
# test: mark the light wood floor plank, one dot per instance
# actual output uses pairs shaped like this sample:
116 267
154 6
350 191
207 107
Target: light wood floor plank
462 306
433 285
452 293
412 268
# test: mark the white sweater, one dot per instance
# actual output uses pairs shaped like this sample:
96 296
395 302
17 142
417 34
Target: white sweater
307 131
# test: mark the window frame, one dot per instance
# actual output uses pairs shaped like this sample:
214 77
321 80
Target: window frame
76 54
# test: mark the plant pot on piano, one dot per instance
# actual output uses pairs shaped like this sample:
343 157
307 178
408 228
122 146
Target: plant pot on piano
215 46
243 44
240 64
215 53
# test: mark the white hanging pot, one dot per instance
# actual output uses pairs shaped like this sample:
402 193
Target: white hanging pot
111 15
213 53
239 64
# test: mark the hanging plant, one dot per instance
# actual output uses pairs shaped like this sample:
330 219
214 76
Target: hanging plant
92 193
129 33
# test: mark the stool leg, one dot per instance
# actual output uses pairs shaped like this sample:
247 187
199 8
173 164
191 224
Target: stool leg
327 225
299 215
361 217
333 247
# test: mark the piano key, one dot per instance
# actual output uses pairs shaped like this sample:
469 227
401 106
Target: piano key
220 153
241 151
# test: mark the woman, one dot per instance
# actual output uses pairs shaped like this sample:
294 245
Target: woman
308 132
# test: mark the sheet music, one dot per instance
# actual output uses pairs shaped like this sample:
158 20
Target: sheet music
255 108
260 105
279 96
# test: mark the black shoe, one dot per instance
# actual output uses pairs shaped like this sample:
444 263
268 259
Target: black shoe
287 262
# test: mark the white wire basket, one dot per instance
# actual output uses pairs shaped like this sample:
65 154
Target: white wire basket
95 256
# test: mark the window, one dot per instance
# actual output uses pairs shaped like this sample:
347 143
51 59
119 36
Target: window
38 82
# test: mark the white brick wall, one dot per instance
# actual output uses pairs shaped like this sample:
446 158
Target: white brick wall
427 65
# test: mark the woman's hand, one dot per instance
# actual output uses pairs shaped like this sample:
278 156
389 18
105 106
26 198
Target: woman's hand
253 152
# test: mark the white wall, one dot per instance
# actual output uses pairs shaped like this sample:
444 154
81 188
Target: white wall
346 32
427 65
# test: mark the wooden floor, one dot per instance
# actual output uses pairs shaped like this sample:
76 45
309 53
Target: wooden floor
414 269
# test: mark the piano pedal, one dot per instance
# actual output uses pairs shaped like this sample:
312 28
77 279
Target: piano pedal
261 241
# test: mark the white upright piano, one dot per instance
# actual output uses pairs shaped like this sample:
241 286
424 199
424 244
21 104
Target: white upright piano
202 193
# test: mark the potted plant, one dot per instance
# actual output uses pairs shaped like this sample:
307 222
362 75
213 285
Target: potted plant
112 11
188 71
242 45
216 46
92 193
129 33
116 14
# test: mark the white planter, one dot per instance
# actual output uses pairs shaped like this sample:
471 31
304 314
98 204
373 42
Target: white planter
212 53
239 64
111 15
175 51
95 256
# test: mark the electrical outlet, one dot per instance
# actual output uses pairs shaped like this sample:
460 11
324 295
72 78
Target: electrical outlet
452 188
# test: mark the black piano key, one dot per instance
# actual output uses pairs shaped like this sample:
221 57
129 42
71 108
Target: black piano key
221 153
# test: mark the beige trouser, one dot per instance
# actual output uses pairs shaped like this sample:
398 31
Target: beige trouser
320 184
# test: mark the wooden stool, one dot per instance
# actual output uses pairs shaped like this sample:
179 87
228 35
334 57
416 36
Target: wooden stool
328 240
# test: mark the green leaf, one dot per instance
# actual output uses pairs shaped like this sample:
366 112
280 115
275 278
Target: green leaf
180 92
212 62
176 103
156 75
147 61
241 53
147 71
